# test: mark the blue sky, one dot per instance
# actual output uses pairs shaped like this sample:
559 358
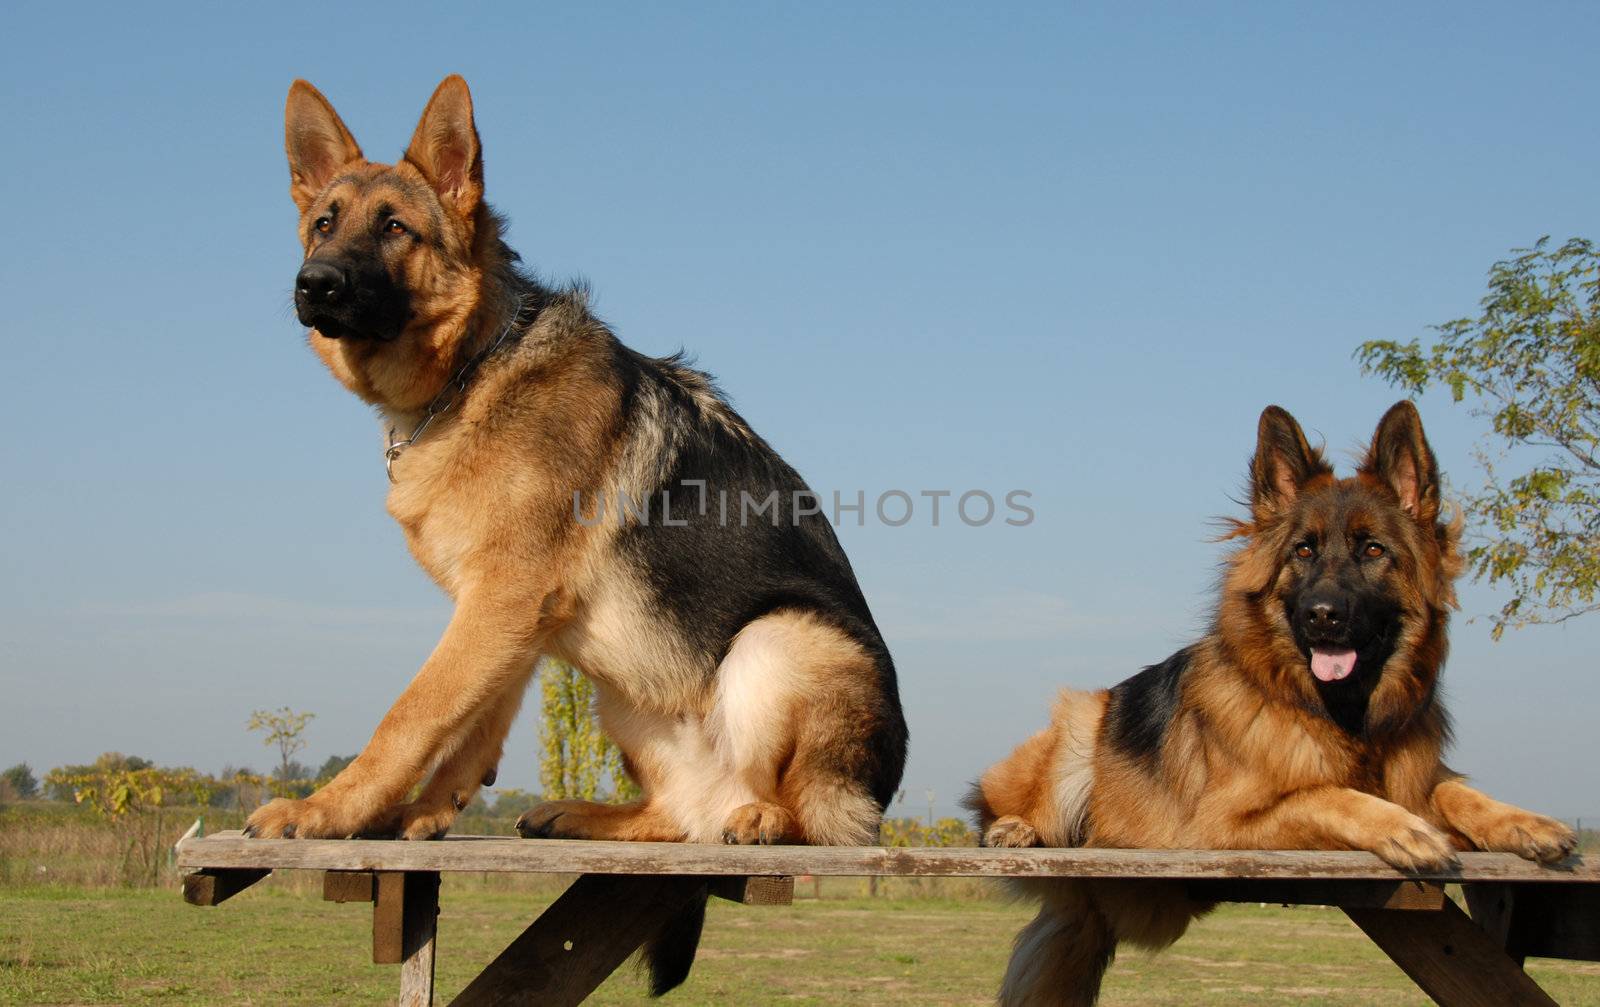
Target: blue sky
1067 249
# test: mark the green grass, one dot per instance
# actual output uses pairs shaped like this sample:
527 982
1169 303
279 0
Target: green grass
278 943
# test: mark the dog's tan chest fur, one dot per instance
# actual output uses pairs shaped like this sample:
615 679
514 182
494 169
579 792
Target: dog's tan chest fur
443 528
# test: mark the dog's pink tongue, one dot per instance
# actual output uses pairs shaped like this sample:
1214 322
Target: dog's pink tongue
1330 664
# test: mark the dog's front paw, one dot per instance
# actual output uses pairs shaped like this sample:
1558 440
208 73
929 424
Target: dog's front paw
287 818
1528 835
1010 832
758 823
1414 845
414 821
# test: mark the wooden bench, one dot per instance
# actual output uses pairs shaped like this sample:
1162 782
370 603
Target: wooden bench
625 891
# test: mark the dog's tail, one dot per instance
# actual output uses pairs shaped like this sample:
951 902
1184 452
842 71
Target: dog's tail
669 955
1060 957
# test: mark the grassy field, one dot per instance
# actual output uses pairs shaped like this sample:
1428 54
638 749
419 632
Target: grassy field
279 944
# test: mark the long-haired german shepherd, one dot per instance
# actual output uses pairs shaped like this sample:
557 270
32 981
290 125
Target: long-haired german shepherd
737 665
1307 718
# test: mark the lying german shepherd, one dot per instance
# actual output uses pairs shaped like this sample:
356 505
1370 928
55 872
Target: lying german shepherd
737 665
1307 718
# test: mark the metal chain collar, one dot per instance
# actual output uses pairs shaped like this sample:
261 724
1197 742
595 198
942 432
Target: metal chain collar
452 393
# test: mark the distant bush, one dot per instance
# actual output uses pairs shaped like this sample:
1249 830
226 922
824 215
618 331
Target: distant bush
57 790
18 783
915 832
138 804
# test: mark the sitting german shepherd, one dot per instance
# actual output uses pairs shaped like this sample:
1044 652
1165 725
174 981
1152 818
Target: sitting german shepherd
1308 718
737 665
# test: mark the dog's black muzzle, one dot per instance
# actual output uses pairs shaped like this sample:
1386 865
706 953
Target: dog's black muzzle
341 303
320 284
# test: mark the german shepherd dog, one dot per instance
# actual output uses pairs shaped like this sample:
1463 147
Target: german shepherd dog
736 663
1307 718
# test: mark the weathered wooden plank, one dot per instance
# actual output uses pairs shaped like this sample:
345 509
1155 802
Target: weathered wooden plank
348 886
1422 895
210 887
756 891
579 940
1450 957
471 853
388 918
420 929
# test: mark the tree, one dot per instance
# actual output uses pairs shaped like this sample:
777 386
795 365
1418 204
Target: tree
240 788
577 756
511 801
332 766
293 772
285 728
21 781
1530 363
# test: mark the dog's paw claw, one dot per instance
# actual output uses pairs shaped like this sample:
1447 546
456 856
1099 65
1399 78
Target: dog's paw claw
565 819
533 825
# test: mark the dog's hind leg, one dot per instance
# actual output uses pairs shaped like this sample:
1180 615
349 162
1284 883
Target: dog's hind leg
655 747
636 821
812 731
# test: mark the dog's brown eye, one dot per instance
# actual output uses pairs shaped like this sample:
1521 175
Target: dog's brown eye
394 227
1373 550
323 225
1304 550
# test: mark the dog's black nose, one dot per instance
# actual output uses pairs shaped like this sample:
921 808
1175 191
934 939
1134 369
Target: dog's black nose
320 282
1324 615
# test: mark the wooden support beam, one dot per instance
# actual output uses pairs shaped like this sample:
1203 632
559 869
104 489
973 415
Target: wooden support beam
760 890
348 886
1450 958
1561 922
1420 895
1492 907
579 940
388 918
419 934
210 887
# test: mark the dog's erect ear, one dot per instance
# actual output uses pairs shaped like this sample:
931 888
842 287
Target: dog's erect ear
1283 464
317 142
445 147
1400 457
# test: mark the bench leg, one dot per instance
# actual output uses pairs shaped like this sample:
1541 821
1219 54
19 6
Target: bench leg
420 927
580 939
1450 957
